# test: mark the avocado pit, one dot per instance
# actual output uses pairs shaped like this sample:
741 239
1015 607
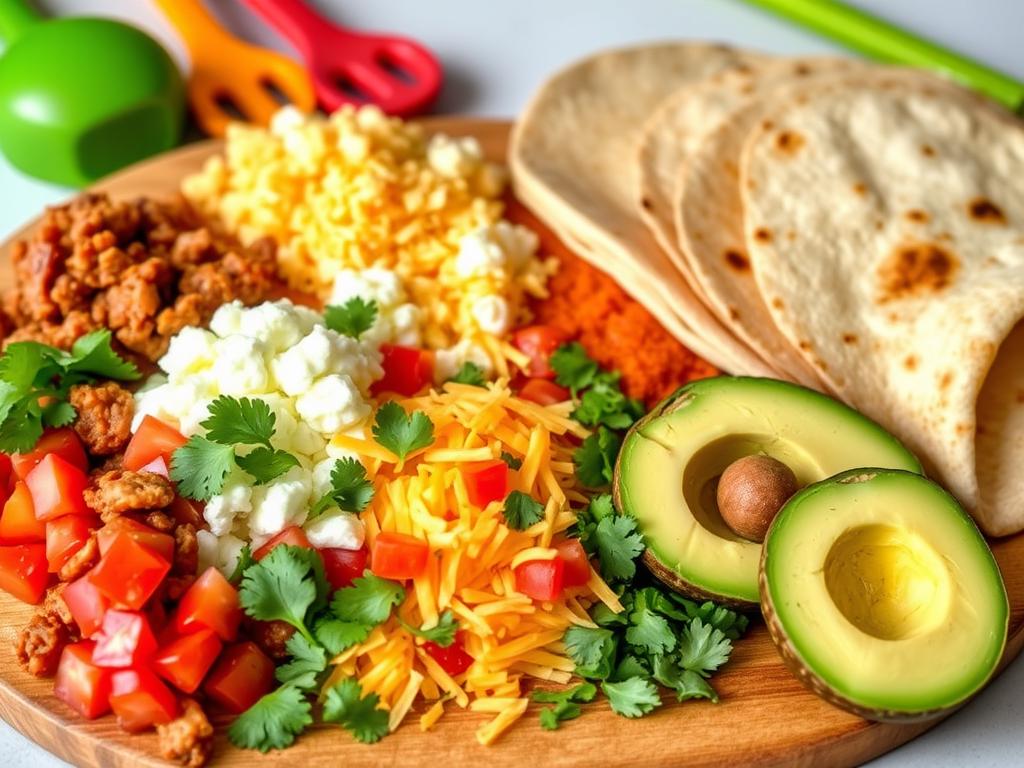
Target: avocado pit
751 492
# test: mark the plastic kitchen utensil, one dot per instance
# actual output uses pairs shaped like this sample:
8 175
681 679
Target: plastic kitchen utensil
81 97
883 41
228 72
398 75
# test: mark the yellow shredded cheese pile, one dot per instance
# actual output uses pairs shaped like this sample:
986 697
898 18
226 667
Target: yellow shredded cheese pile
474 552
358 190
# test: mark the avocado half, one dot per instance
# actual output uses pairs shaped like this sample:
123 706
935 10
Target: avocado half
882 596
667 472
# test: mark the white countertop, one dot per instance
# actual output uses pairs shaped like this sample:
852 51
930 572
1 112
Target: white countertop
495 54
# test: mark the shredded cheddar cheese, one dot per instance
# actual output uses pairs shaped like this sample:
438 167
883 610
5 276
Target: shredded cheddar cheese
509 636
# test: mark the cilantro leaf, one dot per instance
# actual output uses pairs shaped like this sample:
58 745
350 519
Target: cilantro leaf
511 461
617 545
93 354
21 428
604 403
244 420
368 601
633 697
266 464
592 650
280 587
573 367
353 318
470 373
522 510
350 490
650 632
308 661
273 722
336 635
630 666
730 623
200 466
595 458
245 559
346 706
690 685
58 414
400 433
702 648
583 692
442 634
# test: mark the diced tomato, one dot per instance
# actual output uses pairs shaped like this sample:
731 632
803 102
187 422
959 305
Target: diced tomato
7 476
292 535
86 604
63 442
343 566
538 342
187 511
154 439
23 572
141 700
57 486
65 536
543 392
486 481
157 466
577 565
185 661
129 573
398 556
125 640
18 524
161 543
80 684
407 370
241 676
541 579
210 603
454 660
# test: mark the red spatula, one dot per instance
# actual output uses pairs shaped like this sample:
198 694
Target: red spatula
400 76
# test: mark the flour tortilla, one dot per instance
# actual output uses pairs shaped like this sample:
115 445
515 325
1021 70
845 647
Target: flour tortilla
893 259
572 157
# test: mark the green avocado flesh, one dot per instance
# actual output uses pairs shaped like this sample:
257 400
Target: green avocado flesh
667 472
885 593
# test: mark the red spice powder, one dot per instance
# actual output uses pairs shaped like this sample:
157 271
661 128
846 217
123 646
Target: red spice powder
618 332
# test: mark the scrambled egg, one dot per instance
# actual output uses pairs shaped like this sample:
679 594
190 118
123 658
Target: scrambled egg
360 190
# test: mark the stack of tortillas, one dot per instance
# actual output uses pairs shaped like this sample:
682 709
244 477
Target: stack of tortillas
853 228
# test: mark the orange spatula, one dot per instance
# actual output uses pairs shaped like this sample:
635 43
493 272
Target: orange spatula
231 76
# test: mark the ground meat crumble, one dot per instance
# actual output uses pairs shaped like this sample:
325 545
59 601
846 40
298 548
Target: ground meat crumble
105 412
188 739
121 491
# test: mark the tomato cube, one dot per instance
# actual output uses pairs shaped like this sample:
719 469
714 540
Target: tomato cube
141 700
541 579
18 524
124 640
86 604
65 536
80 684
210 603
64 442
130 572
23 571
241 676
543 392
453 659
407 370
292 535
486 481
576 572
161 543
398 556
7 476
343 566
185 661
57 486
154 439
538 342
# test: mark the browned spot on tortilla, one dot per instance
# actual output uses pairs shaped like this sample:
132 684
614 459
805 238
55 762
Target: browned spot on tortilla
980 429
984 210
910 362
802 70
860 188
736 260
893 317
917 215
763 235
928 150
646 203
791 234
734 314
767 125
1020 395
777 303
804 345
850 338
789 142
751 185
731 169
963 429
748 88
801 98
916 269
945 379
821 363
879 224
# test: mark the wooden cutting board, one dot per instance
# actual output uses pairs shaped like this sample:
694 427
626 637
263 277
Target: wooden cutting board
765 717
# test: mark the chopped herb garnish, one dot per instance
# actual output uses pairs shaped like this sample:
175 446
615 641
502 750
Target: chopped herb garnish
353 318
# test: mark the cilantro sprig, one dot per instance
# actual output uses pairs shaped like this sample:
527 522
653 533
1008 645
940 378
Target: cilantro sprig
470 373
353 318
350 489
522 510
441 634
35 380
201 466
566 704
402 433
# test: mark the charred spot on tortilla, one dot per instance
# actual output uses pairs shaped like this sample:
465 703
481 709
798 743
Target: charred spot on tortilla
791 234
910 362
731 169
984 210
945 379
1020 395
802 70
789 142
645 201
860 188
928 150
918 216
763 235
737 260
734 314
821 364
916 269
777 303
805 346
850 338
747 89
767 125
964 429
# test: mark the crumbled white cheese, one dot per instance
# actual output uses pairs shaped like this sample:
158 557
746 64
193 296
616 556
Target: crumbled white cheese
398 321
280 504
340 530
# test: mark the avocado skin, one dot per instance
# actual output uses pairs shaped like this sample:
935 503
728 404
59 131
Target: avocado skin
792 658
